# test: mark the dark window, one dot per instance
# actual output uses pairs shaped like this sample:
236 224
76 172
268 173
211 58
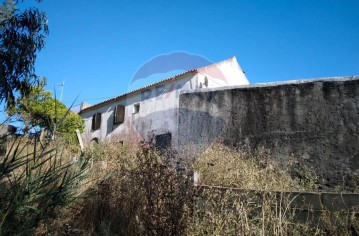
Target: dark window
96 121
205 82
136 108
119 114
163 140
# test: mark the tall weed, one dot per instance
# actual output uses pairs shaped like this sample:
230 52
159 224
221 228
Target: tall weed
142 194
35 181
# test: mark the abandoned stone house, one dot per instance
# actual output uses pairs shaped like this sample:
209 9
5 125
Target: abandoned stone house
151 113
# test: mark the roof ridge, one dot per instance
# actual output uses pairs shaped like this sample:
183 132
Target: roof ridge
177 76
219 62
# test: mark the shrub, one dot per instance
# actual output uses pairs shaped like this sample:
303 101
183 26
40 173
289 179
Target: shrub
35 181
144 194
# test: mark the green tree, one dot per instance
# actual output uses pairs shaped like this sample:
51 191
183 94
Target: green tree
22 36
39 108
35 180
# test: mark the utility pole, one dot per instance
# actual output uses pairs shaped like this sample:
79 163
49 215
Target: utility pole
62 89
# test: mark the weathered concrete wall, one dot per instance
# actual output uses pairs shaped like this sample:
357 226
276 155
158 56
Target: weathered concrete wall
315 201
316 122
310 208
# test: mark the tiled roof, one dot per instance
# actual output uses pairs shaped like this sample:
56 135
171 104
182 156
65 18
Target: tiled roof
138 90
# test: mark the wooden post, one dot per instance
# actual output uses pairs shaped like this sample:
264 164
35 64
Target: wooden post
79 138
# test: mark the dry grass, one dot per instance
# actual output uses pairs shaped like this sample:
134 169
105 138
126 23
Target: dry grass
138 193
226 212
229 212
144 193
255 208
222 166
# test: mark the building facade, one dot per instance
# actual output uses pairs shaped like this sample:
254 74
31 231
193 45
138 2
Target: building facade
151 113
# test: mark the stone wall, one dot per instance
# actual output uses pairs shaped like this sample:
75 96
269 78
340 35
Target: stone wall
317 209
315 123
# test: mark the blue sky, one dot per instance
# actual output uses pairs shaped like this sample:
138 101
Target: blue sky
97 46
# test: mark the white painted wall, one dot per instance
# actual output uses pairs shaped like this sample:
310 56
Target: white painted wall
221 74
158 113
158 106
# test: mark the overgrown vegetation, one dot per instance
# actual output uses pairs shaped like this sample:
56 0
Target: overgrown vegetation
37 179
39 109
144 193
35 182
229 212
221 166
